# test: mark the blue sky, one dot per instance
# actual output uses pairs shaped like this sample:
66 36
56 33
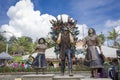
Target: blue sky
93 13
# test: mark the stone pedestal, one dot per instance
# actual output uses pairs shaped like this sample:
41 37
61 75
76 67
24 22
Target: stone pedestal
96 79
38 77
67 77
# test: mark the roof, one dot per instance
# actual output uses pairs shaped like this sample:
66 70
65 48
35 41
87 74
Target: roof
5 55
49 53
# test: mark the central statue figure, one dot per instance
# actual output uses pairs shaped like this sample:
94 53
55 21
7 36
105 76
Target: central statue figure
65 40
64 34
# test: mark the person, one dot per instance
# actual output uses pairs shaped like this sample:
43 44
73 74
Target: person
40 60
92 55
113 70
22 65
64 41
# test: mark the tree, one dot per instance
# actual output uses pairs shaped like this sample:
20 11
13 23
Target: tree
2 43
113 36
22 45
13 39
101 38
2 46
2 38
50 42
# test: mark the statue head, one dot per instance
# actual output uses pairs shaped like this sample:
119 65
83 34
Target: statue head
41 41
91 31
65 30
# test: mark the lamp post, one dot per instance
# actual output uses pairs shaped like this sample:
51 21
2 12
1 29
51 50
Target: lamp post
7 44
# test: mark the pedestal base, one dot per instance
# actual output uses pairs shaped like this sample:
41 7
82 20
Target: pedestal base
58 77
96 79
38 77
67 77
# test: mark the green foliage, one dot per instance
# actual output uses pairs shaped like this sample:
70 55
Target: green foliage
18 58
101 38
22 45
49 69
2 46
50 43
9 69
2 38
81 68
113 36
2 43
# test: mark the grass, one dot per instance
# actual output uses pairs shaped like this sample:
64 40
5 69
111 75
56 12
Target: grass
18 58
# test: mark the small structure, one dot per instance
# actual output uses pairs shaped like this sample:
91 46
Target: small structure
49 53
5 56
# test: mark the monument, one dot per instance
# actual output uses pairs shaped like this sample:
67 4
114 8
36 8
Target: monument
64 35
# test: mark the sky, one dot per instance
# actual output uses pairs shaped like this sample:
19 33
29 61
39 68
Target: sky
31 17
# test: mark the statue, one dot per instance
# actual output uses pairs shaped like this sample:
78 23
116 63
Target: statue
93 57
64 35
40 61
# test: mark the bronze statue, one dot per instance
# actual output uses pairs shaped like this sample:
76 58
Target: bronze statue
64 36
40 60
92 56
64 41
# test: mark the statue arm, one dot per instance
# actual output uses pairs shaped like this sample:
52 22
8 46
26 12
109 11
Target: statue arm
84 44
99 44
35 49
71 38
59 39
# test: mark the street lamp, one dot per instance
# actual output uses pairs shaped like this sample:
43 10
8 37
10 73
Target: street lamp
7 44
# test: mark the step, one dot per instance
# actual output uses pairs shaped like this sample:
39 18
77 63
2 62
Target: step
76 79
57 77
38 77
51 77
96 79
67 77
17 79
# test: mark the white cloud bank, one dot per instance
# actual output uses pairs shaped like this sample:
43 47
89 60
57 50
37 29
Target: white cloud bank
25 21
114 24
111 23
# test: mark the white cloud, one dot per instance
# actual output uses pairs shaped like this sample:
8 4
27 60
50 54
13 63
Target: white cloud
25 21
116 25
111 23
83 30
118 30
64 17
